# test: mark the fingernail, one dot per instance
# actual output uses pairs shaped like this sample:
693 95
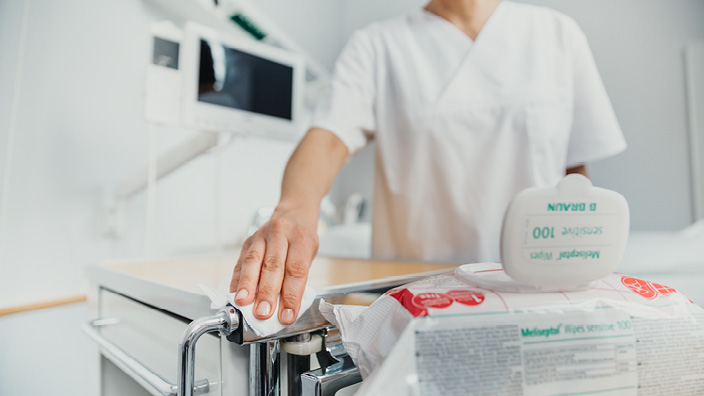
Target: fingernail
287 315
242 294
263 308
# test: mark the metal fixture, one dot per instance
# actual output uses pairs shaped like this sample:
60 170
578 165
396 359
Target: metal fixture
296 365
327 381
264 368
298 349
337 370
226 321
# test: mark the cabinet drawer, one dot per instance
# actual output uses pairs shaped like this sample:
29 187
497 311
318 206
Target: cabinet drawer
151 336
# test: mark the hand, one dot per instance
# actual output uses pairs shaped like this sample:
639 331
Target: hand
276 258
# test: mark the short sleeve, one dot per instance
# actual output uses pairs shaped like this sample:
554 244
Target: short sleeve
595 133
347 107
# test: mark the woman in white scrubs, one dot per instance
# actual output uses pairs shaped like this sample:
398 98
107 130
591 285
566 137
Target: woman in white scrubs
468 102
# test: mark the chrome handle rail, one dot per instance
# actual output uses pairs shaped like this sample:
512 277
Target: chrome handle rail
132 366
226 321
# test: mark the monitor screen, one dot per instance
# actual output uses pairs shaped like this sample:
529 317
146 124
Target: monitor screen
239 80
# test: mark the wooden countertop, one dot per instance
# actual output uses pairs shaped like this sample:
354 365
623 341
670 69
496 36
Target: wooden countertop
326 272
173 284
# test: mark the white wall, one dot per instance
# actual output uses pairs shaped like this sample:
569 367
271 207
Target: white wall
55 358
71 140
638 46
80 130
315 24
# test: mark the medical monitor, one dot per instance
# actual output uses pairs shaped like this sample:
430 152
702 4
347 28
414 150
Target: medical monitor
239 85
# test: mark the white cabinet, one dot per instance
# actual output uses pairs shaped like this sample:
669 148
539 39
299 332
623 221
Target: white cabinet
151 336
146 306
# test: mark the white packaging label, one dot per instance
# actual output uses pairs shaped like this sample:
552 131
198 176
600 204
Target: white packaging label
528 354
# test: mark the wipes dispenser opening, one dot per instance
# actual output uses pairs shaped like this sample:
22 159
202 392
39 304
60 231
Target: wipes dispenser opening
559 238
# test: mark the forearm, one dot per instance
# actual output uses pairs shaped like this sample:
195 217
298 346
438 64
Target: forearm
310 173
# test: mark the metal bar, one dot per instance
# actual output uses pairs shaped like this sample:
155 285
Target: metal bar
264 369
221 321
132 366
296 365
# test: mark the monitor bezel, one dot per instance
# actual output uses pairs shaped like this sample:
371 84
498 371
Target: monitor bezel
212 117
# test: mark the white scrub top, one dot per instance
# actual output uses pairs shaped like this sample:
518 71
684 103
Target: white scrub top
461 126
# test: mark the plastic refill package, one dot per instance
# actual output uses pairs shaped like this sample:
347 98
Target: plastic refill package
557 321
442 336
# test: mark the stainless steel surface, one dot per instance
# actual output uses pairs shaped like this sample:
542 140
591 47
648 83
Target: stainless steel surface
333 343
327 381
225 321
183 303
336 370
133 367
264 369
310 321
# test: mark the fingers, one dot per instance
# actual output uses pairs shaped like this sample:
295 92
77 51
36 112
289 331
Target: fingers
273 267
296 275
238 267
272 274
249 274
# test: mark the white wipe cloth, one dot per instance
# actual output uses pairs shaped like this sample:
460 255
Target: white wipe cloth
220 297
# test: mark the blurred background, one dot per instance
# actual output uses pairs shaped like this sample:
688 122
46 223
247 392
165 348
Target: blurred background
73 129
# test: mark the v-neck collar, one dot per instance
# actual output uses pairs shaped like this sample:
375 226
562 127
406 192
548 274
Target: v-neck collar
485 35
452 26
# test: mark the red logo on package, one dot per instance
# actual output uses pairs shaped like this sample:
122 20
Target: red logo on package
432 300
467 297
664 290
646 289
405 297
